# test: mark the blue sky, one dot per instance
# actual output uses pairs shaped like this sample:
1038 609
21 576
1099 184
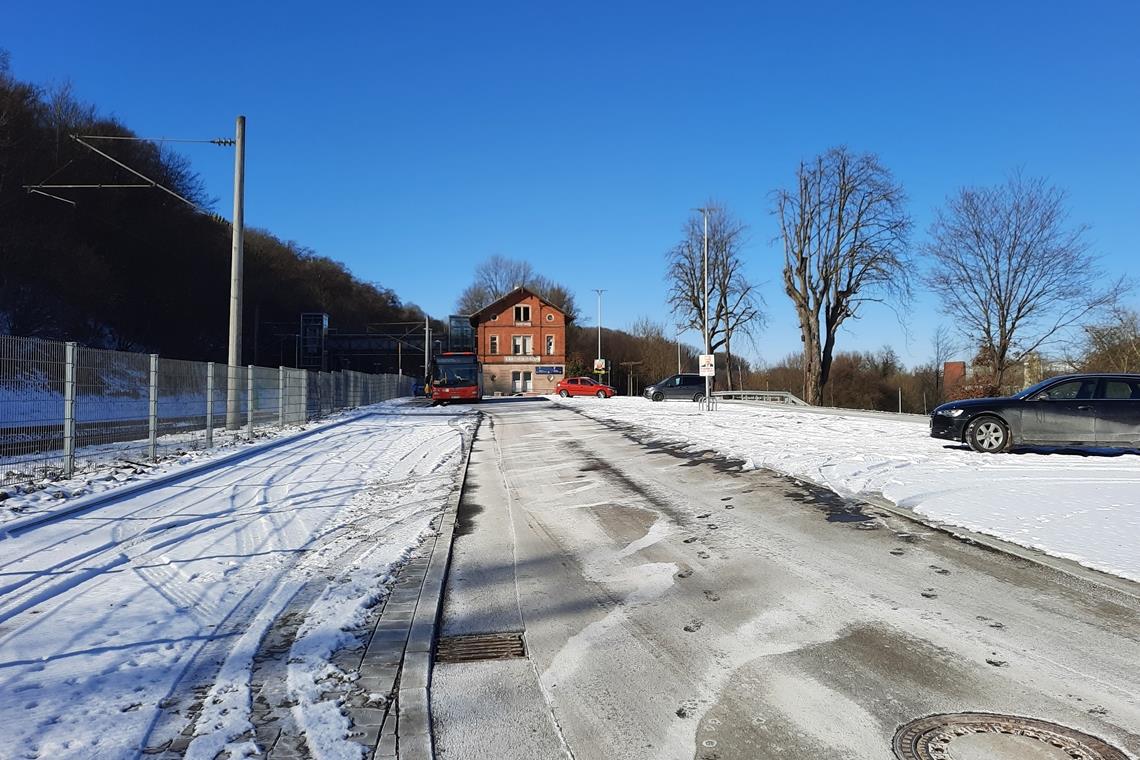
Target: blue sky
412 142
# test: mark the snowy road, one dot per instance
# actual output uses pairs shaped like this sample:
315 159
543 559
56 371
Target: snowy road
115 623
678 606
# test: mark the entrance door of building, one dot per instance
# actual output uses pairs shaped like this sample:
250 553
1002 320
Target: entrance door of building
521 382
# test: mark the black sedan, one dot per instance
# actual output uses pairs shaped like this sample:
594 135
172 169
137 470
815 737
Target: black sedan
1070 410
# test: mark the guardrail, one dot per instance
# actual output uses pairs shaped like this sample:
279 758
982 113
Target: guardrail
65 407
772 397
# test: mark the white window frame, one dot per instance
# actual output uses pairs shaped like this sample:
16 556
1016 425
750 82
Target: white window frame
522 345
522 313
550 345
493 347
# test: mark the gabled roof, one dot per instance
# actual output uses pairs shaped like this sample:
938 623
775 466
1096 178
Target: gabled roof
517 294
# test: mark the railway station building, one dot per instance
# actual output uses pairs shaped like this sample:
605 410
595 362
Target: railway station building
521 343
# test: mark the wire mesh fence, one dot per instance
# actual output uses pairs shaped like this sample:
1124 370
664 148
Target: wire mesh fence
65 407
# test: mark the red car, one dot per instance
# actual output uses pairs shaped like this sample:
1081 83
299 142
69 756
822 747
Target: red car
583 386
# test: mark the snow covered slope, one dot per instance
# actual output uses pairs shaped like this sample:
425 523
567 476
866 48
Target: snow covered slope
103 613
1084 507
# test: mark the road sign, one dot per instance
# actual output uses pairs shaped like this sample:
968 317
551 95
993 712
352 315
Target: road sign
599 365
707 365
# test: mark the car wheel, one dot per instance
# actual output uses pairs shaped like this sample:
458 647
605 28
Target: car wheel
600 394
658 396
699 397
564 393
988 435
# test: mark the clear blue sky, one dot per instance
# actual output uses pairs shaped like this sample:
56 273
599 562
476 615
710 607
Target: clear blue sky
411 140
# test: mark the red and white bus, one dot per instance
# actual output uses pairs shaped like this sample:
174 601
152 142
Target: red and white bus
456 376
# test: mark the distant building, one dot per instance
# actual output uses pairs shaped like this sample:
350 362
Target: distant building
521 341
460 333
314 352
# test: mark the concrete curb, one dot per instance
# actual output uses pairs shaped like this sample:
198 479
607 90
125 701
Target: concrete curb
93 501
413 701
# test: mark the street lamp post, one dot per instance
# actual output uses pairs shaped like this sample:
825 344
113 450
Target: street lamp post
708 380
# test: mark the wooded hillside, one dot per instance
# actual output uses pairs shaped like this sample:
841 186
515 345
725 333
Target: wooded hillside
138 269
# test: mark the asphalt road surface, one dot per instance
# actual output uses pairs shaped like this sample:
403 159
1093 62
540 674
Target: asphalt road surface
675 606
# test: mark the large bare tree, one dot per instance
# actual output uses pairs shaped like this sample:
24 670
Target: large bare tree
498 275
733 303
1011 270
845 230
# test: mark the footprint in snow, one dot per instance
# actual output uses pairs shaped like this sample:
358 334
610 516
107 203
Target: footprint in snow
694 625
939 570
703 555
929 594
701 517
689 540
684 574
897 552
712 596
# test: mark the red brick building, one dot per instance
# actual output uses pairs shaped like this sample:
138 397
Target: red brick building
521 341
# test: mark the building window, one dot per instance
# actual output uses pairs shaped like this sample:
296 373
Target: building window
549 317
494 317
522 345
494 344
550 345
522 313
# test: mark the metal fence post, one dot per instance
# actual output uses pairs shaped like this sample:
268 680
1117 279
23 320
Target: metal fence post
281 396
249 401
153 413
304 396
209 405
69 410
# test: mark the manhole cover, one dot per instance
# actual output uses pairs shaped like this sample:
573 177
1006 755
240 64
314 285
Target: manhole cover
483 646
988 736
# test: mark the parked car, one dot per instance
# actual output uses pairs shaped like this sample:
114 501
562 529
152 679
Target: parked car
583 386
1070 410
683 386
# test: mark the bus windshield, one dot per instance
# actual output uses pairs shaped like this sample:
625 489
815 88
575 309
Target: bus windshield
455 375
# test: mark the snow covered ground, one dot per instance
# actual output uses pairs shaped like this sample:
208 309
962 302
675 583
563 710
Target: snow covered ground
1084 507
105 614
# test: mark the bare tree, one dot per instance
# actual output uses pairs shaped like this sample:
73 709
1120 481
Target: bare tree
498 275
733 303
844 230
1112 345
1011 270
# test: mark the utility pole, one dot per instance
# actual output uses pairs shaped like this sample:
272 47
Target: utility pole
399 357
599 291
427 347
233 386
678 352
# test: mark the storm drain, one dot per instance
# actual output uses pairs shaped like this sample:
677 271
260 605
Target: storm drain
483 646
960 736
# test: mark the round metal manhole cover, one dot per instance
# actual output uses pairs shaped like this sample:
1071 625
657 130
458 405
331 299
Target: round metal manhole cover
988 736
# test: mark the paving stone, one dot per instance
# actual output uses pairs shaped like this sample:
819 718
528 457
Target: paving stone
416 671
387 747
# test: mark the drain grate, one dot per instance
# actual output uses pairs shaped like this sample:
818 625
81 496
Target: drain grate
483 646
942 737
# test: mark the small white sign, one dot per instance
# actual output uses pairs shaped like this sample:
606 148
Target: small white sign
707 365
599 365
